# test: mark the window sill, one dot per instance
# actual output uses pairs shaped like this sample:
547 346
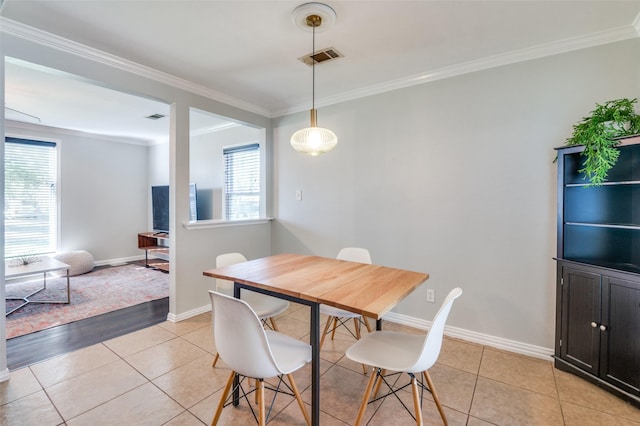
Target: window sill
218 223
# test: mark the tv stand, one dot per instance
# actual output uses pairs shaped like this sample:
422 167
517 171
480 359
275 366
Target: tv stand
155 244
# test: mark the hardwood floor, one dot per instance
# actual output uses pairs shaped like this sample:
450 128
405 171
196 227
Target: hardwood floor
31 348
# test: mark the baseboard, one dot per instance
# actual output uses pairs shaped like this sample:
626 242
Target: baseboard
455 332
118 261
4 375
475 337
186 315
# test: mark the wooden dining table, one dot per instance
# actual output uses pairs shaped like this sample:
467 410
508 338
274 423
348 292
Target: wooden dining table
368 290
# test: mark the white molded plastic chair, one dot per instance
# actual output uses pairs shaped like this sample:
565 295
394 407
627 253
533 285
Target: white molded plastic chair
251 351
339 316
266 307
400 352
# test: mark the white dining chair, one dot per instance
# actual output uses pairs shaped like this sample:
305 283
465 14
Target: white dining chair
266 307
339 317
403 353
253 352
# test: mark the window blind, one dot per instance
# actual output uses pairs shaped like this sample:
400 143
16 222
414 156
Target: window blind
30 197
242 182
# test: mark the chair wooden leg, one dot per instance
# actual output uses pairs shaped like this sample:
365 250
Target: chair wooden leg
324 333
225 394
382 373
215 360
416 401
356 324
335 325
427 377
262 418
365 398
366 323
273 324
299 399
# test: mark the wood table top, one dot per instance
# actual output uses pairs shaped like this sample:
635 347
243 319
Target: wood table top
369 290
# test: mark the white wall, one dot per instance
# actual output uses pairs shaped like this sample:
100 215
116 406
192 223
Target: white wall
102 191
193 251
454 178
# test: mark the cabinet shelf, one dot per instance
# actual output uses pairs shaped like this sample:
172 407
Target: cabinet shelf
613 183
606 225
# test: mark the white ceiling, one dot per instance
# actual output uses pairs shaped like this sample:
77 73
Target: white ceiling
245 52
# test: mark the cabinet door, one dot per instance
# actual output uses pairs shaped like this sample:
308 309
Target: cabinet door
620 354
581 299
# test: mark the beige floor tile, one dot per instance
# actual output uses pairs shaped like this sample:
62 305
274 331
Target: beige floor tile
454 387
506 405
145 405
21 383
292 416
162 358
184 419
293 327
391 412
461 355
240 415
73 364
341 392
188 325
34 409
572 388
203 338
524 372
82 393
193 382
138 341
477 422
578 415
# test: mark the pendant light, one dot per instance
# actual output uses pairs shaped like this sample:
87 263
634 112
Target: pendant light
313 140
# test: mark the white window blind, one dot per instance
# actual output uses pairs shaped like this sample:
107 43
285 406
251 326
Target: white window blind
242 182
30 210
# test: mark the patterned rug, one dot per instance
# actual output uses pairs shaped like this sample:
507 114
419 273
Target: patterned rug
97 292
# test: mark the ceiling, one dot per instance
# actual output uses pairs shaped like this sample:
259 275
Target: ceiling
245 53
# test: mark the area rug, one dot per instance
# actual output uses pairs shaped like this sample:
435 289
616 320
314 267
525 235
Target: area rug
97 292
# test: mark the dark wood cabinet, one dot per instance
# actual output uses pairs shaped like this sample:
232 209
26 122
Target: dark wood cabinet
598 273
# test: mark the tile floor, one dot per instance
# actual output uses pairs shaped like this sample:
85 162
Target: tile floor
162 375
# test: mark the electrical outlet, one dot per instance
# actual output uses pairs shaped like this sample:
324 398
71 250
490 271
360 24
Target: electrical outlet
431 295
298 194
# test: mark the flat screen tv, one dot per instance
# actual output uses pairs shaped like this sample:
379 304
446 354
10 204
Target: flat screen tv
160 206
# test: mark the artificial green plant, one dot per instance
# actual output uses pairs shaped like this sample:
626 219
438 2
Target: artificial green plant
613 119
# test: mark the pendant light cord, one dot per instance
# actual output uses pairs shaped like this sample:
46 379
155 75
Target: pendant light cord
313 69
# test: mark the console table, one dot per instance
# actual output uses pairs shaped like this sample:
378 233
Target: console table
156 244
40 266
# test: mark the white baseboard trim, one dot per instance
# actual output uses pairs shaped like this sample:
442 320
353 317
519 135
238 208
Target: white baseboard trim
186 315
475 337
4 375
455 332
118 261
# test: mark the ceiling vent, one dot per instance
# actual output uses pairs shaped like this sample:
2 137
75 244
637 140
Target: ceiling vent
321 56
155 116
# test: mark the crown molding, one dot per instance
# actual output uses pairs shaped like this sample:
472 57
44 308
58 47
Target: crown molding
44 38
11 125
535 52
562 46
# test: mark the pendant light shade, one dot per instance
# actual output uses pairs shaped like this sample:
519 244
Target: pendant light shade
313 140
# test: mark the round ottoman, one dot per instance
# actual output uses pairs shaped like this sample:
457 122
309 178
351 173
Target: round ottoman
80 261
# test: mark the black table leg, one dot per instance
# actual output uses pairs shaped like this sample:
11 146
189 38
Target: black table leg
315 364
236 378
